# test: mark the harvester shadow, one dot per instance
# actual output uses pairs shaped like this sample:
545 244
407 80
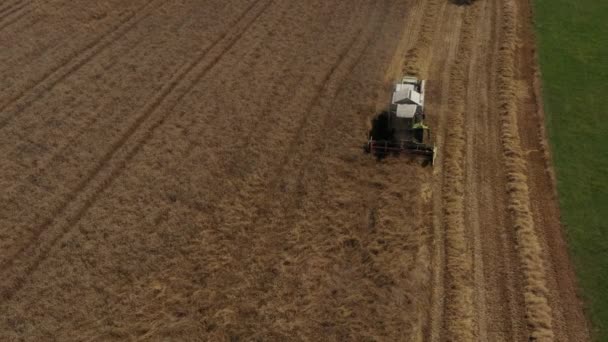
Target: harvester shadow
381 132
380 127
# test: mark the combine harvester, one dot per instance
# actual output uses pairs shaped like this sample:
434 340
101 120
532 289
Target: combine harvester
405 131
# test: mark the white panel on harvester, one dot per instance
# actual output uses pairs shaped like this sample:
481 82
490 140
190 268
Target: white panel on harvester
401 87
406 111
401 97
415 97
407 97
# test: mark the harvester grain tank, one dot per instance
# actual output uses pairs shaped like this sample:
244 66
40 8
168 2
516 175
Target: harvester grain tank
406 131
409 90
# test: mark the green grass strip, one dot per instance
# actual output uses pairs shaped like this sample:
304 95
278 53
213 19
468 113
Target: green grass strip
573 49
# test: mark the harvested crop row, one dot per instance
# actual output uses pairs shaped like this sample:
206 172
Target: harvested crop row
420 49
539 317
439 72
459 320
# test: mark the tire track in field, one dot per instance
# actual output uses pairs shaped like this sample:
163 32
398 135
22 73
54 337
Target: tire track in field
330 122
477 102
208 124
302 152
12 5
538 312
24 99
254 133
324 88
5 22
18 267
479 78
43 164
459 309
329 86
500 310
333 84
13 8
440 183
42 168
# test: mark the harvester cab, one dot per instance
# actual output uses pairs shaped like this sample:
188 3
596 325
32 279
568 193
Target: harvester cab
405 131
410 90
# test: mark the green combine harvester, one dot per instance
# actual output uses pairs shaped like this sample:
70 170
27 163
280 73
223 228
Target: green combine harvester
401 130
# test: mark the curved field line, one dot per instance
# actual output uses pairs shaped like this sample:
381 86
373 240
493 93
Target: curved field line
17 18
538 311
73 63
331 84
9 6
253 133
295 143
72 138
69 143
7 11
16 269
331 121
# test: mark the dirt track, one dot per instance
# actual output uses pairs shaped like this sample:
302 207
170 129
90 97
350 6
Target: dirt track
193 170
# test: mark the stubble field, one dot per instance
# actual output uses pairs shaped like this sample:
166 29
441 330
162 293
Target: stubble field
184 170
